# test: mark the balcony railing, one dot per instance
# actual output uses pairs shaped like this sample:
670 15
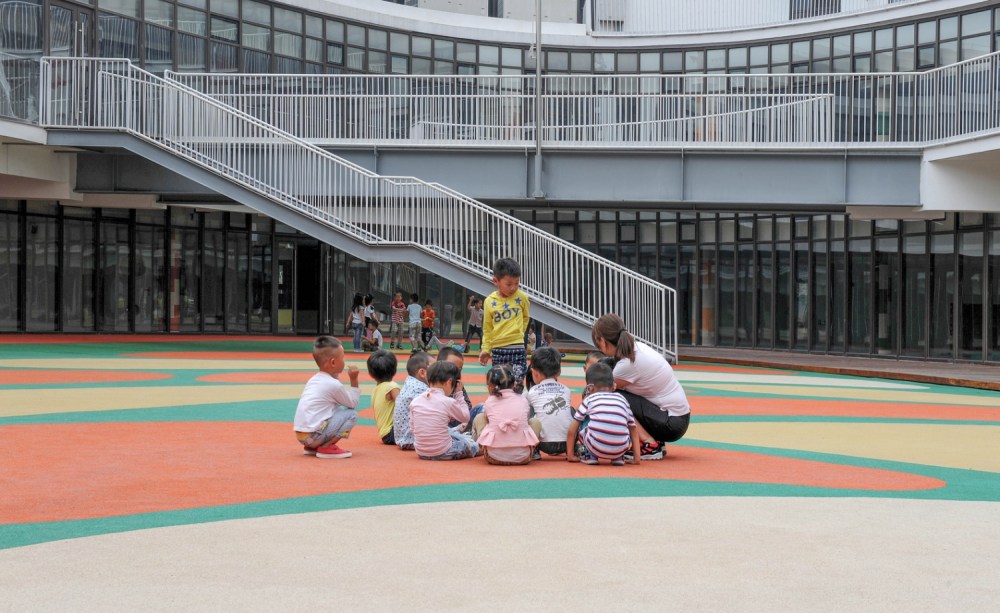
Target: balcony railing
18 87
907 109
665 17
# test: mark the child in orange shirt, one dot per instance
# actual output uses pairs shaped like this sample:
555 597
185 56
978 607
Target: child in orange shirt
427 317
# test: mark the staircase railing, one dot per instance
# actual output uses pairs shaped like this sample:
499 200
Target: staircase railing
84 93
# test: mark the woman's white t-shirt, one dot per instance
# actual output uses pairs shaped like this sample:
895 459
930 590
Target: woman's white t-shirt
651 377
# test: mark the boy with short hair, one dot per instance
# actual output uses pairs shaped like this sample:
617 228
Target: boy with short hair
431 412
413 310
382 368
505 319
549 400
427 322
415 384
397 310
603 425
372 340
327 411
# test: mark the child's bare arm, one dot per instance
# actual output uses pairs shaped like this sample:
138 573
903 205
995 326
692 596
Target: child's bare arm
392 394
352 375
636 444
574 427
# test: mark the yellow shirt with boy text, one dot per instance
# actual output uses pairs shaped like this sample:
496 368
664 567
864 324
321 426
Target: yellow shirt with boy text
504 320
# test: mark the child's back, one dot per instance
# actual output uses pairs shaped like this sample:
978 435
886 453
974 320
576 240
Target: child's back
415 384
551 406
382 367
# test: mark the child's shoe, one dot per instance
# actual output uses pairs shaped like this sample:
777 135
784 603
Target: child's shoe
308 451
585 456
650 452
331 451
618 461
536 455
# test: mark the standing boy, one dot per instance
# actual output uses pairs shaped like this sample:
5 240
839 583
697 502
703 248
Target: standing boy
427 317
397 309
505 318
326 411
413 310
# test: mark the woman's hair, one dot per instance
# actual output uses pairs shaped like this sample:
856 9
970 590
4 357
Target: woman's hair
368 299
611 328
501 377
442 372
356 303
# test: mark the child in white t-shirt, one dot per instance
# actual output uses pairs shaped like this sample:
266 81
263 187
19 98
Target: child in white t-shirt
549 400
327 411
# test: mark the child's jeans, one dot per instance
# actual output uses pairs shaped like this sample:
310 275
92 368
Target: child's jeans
357 335
337 426
462 447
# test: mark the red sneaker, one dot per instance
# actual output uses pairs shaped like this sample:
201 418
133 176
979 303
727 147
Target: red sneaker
332 451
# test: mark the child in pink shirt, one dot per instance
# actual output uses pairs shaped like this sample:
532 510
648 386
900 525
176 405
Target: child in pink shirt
431 411
503 429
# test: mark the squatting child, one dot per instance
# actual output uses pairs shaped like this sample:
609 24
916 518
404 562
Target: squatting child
327 411
382 367
549 400
430 413
415 384
603 425
372 340
505 319
503 429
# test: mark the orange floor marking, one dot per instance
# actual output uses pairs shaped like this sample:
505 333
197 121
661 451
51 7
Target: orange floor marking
64 339
100 470
799 407
46 377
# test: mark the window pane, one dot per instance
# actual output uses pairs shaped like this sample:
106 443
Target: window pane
256 37
159 12
190 20
190 52
288 20
257 12
125 7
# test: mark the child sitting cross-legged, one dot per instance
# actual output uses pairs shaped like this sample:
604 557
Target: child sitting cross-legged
503 429
431 411
382 367
415 384
549 400
603 426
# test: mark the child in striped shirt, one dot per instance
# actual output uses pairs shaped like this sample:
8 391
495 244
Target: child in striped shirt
603 426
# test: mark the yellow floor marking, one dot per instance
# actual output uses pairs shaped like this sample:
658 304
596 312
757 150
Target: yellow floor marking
991 400
952 446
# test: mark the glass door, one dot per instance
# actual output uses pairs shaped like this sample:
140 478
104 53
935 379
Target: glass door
71 30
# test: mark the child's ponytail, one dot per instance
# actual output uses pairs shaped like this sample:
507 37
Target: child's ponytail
500 377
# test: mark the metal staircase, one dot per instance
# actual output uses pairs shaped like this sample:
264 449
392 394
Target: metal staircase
90 102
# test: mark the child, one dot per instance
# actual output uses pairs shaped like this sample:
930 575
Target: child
413 310
505 318
355 320
475 308
427 322
592 358
504 431
430 413
372 340
326 411
397 309
603 426
382 368
415 384
369 303
454 355
549 400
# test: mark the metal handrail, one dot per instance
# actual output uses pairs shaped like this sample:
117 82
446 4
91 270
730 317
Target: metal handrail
901 109
85 93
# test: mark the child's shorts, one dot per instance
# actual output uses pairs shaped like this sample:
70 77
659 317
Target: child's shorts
517 357
552 447
338 425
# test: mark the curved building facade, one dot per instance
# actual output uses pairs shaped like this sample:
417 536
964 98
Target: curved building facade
758 274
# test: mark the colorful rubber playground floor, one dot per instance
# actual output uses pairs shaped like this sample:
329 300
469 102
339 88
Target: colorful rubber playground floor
162 472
